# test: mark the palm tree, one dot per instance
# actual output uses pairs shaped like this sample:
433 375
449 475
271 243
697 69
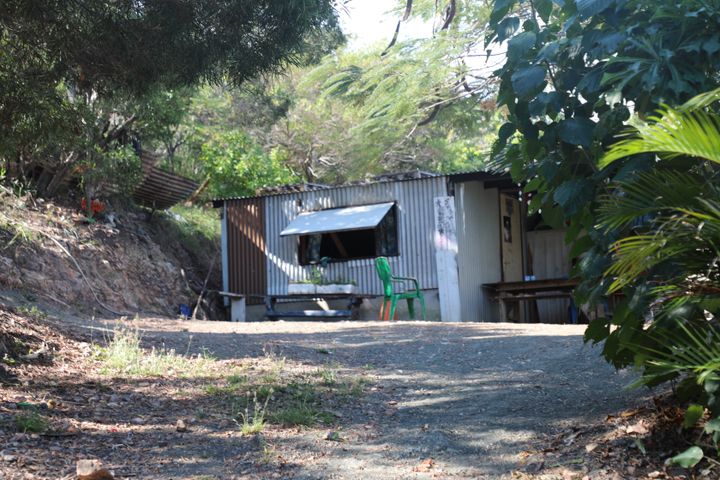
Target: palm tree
667 217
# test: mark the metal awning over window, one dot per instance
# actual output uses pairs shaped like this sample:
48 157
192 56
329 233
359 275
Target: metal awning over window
338 220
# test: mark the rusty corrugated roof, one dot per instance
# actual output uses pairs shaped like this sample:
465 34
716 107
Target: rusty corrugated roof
390 177
159 189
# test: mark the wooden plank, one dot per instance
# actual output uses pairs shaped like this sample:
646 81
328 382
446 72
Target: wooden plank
536 296
309 313
565 284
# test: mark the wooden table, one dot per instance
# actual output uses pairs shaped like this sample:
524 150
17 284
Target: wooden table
509 292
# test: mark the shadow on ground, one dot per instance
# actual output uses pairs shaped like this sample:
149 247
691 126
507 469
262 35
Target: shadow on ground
471 397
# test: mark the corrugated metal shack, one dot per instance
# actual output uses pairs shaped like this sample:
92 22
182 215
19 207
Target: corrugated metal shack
445 230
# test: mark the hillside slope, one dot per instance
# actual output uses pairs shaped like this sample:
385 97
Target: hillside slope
126 263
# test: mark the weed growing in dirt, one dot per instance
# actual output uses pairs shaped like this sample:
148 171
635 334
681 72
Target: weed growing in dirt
237 379
255 422
301 413
124 355
354 387
328 374
31 422
264 391
33 312
235 383
18 232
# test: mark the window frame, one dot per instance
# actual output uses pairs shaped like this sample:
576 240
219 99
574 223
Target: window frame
302 247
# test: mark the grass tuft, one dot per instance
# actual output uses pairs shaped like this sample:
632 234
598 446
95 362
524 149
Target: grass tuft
31 422
32 311
255 422
301 414
124 355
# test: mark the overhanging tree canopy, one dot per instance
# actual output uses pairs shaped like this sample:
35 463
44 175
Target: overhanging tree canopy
136 44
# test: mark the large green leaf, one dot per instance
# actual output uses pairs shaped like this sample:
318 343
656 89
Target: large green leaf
588 8
506 131
507 28
577 131
500 9
528 81
520 45
544 9
574 194
597 331
689 458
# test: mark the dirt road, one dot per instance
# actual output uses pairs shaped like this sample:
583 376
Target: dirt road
446 400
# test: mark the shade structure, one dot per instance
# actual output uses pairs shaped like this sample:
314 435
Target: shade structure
338 219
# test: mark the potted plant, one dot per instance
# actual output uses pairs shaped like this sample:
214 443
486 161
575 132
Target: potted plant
318 284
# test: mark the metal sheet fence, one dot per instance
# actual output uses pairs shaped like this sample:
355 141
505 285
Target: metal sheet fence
415 232
247 247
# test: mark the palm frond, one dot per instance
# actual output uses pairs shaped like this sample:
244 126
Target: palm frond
672 133
703 100
691 348
653 193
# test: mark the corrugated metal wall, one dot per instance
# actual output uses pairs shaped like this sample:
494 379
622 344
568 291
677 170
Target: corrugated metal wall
550 259
246 247
415 232
478 232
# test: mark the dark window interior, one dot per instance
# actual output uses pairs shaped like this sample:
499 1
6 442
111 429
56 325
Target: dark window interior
352 245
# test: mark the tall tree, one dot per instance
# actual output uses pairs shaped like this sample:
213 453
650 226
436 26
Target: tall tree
63 62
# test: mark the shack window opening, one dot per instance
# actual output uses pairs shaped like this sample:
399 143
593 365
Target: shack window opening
351 244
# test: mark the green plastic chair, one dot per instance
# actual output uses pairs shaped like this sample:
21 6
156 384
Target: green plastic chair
391 296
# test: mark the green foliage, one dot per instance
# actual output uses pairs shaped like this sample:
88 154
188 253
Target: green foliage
366 112
80 82
31 422
120 167
126 45
668 220
237 166
643 220
33 312
598 59
689 458
195 223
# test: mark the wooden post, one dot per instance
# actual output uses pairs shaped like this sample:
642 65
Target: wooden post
446 249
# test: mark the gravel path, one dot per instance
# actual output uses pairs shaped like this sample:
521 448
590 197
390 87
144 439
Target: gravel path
447 400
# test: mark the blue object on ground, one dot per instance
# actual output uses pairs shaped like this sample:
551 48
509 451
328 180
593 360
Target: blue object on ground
573 313
185 311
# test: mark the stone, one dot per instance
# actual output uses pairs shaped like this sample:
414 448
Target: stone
92 470
180 426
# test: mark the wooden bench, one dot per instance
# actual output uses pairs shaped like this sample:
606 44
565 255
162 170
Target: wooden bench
515 292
